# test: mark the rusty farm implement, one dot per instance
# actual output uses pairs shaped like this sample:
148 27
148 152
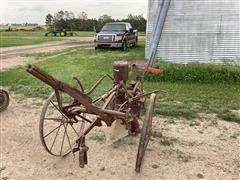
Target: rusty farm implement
71 113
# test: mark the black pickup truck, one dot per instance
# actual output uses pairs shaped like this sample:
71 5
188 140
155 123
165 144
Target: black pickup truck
116 35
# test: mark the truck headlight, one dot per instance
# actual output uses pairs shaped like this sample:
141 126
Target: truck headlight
118 38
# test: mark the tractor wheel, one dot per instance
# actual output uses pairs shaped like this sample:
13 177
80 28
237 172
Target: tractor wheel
145 132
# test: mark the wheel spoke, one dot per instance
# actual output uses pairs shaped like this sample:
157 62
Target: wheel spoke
60 131
68 137
58 109
74 129
53 119
52 131
82 117
62 141
55 137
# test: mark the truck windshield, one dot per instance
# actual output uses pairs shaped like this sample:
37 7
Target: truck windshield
114 28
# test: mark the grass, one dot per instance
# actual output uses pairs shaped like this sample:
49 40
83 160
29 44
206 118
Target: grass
41 34
9 42
142 33
9 39
229 116
166 141
82 63
100 137
84 34
184 100
20 38
189 99
182 156
197 73
22 34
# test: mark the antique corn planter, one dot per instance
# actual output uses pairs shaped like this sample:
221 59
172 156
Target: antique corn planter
71 113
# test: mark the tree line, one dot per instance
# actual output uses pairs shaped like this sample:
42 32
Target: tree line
67 20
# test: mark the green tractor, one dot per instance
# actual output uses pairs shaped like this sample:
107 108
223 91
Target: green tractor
57 31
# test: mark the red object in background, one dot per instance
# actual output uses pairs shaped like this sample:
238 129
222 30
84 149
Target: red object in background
153 70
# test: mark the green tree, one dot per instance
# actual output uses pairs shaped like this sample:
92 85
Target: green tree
66 20
138 22
83 16
49 19
105 18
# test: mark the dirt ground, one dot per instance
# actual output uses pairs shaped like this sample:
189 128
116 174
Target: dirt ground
207 148
12 56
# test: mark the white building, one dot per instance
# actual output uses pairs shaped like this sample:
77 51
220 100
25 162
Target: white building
198 30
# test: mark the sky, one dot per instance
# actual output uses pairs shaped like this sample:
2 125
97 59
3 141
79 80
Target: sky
34 11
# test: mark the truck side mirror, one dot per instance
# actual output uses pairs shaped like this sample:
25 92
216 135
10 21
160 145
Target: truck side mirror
131 30
97 31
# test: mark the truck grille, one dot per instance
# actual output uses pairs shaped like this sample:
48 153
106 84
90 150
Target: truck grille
106 37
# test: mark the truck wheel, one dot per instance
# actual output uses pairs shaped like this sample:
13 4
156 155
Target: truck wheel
124 45
135 43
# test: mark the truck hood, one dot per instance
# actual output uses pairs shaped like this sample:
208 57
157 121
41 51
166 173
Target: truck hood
118 33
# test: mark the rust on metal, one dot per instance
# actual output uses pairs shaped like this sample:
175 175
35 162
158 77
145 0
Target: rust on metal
120 71
124 101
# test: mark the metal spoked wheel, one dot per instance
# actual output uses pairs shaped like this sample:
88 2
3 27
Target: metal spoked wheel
57 132
145 132
4 100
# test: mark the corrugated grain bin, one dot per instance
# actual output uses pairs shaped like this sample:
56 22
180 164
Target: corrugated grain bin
198 30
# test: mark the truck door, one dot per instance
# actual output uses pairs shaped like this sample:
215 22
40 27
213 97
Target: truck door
128 36
131 33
